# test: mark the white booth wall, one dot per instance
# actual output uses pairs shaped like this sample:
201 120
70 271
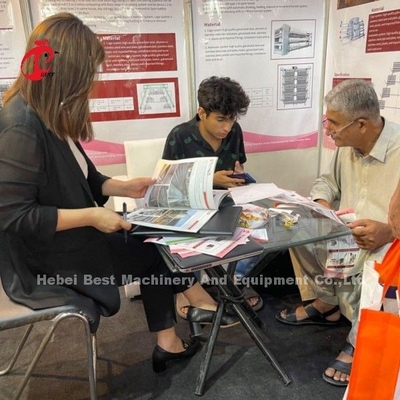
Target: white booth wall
283 141
232 39
291 169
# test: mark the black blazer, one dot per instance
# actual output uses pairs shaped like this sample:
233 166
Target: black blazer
38 174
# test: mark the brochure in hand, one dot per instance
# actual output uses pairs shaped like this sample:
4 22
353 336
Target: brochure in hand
182 199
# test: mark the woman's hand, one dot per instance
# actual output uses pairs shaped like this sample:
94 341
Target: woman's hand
108 221
135 188
103 219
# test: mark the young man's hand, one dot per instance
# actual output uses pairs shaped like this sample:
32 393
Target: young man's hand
223 179
238 168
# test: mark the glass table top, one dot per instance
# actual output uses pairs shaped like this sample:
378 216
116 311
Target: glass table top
310 227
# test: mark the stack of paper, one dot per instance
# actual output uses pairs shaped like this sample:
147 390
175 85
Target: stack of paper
217 246
259 191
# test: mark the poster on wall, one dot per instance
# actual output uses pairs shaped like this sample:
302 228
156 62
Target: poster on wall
142 89
12 43
274 49
364 42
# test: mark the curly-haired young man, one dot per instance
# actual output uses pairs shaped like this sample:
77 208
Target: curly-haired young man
214 131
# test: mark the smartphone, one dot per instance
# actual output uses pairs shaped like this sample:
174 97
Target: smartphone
247 177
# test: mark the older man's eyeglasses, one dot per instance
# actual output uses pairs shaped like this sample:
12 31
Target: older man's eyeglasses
326 122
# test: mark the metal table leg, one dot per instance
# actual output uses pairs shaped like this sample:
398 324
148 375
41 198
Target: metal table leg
231 294
205 364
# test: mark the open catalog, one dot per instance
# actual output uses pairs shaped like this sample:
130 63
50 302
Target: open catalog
183 198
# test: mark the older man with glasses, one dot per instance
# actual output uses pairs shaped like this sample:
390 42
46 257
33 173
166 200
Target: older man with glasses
362 176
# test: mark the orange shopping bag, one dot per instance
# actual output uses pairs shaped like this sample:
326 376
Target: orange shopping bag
376 363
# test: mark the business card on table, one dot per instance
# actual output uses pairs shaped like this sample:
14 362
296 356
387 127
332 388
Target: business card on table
260 235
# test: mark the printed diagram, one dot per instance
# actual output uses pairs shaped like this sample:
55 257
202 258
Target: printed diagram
156 98
111 104
390 96
260 97
115 100
295 86
352 30
288 39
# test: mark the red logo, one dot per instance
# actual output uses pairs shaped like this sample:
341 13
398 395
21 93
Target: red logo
42 48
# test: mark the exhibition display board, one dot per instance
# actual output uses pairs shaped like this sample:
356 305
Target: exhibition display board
284 54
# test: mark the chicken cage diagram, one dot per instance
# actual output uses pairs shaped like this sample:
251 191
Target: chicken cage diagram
156 98
352 30
295 84
288 39
390 95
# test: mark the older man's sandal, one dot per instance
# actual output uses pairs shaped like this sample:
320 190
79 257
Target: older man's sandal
340 366
314 316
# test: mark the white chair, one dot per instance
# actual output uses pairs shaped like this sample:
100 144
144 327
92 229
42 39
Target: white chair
141 158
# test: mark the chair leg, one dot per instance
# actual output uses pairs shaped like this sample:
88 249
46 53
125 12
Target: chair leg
92 361
91 354
17 352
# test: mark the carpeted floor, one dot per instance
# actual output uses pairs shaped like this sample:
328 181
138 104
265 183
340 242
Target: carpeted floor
238 368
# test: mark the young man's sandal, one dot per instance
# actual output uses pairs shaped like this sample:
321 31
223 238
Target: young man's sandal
314 316
250 294
340 366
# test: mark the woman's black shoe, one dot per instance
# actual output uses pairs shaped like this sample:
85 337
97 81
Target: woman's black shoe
161 356
197 316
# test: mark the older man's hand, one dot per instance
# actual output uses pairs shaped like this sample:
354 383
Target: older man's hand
394 213
370 234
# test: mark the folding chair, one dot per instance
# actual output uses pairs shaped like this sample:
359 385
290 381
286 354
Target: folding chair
13 315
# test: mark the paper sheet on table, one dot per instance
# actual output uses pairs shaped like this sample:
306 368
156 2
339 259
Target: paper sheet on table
291 197
253 192
174 248
260 235
171 240
216 246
